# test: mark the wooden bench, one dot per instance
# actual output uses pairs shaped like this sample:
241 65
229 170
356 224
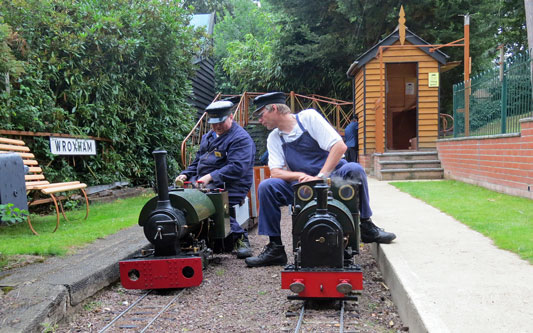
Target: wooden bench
36 184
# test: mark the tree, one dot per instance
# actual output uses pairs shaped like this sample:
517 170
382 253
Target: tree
114 69
244 41
321 38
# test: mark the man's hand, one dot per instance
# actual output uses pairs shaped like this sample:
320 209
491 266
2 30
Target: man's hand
206 179
181 178
307 178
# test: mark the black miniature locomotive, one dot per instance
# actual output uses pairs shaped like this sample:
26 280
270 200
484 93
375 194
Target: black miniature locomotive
325 232
183 225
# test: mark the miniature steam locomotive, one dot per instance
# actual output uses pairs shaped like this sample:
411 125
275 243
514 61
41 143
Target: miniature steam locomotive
183 225
325 233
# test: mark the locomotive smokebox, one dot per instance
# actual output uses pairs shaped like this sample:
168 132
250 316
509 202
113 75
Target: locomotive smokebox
166 225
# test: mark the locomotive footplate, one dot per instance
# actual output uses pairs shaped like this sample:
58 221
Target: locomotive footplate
161 272
322 283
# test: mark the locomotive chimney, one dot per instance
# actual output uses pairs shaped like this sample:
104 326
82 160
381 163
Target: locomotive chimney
160 157
321 198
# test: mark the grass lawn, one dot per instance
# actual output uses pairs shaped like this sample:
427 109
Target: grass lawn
104 219
506 219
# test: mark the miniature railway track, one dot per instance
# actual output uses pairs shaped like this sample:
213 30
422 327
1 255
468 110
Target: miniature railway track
142 313
320 318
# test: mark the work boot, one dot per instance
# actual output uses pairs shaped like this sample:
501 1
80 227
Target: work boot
242 247
370 233
273 254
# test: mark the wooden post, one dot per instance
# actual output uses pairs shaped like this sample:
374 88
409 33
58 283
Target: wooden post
379 108
292 101
467 73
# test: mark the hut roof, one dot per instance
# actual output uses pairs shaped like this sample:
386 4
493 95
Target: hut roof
410 36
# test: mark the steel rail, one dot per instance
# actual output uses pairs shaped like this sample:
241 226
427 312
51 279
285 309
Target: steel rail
341 328
124 312
160 312
300 319
302 313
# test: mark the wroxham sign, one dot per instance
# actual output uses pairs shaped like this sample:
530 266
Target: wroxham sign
68 146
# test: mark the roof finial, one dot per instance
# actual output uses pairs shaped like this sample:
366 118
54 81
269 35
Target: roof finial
401 26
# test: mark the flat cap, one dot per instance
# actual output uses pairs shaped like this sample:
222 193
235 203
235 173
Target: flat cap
270 98
218 111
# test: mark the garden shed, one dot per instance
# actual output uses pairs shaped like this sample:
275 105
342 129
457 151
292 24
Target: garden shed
396 93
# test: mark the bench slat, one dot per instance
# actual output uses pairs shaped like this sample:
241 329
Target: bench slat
30 162
12 141
34 177
58 184
56 189
36 169
13 148
23 155
33 184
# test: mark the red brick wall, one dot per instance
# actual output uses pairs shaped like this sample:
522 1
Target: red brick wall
503 163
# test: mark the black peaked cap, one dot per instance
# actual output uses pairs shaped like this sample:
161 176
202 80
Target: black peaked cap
270 98
218 111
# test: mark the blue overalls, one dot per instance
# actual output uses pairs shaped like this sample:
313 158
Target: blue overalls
303 155
229 159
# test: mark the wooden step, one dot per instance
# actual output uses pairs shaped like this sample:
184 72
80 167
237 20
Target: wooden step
412 173
409 164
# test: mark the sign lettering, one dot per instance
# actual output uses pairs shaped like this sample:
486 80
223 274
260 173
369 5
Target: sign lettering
69 146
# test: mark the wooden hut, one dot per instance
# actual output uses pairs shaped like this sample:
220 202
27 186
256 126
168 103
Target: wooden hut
396 94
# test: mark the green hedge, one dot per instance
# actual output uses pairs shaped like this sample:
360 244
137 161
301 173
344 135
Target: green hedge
113 69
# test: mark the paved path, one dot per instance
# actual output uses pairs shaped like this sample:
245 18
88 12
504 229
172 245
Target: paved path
444 276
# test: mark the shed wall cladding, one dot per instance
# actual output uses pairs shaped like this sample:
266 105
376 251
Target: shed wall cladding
428 97
203 85
502 163
360 105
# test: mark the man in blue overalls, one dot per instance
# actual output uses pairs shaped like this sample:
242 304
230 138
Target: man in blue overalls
301 148
225 160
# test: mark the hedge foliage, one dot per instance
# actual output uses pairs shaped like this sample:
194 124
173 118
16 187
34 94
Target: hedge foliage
112 69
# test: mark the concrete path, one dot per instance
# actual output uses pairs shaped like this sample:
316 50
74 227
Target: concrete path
444 276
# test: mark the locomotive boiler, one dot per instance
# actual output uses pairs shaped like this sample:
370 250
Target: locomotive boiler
183 225
325 233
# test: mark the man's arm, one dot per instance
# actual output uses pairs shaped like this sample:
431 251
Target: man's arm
240 157
335 155
287 175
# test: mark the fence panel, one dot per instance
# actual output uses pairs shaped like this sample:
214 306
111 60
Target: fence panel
496 102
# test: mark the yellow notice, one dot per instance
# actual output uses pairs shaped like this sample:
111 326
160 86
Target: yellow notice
433 79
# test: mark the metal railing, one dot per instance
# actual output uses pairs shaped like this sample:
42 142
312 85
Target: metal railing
497 99
337 112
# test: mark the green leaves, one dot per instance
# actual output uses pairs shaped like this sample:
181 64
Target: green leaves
10 215
113 69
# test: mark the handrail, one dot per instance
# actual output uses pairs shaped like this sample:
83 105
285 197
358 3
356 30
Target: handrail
200 126
330 108
446 124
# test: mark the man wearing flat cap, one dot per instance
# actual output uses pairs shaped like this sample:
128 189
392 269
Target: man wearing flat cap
301 148
225 160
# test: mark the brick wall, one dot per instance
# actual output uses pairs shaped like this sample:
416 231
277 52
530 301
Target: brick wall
503 163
